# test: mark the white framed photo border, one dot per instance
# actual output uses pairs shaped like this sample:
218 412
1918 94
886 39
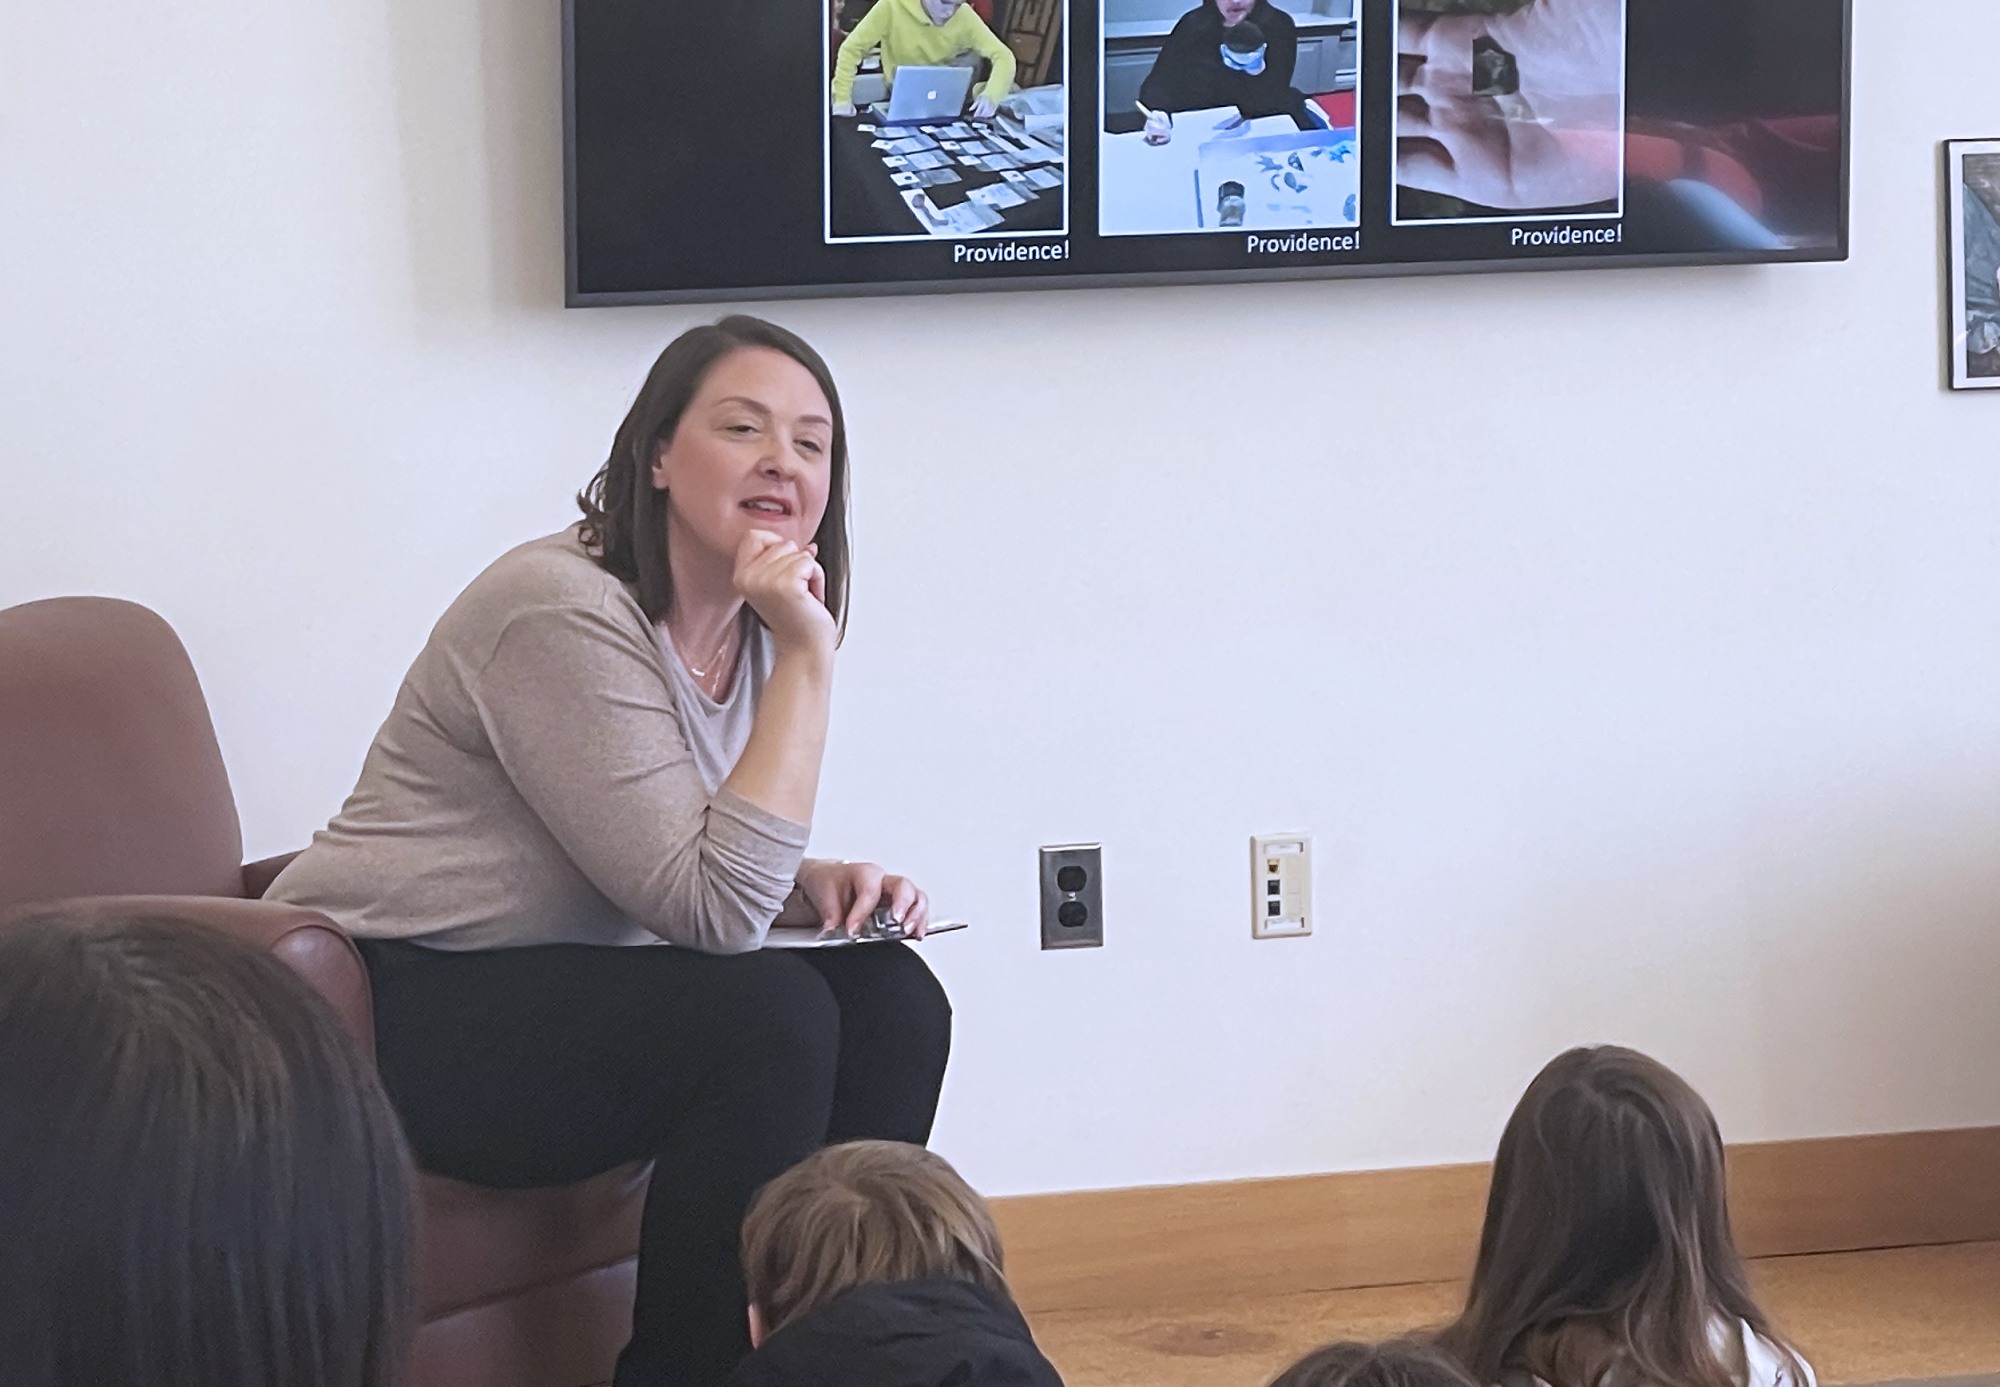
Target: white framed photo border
1972 176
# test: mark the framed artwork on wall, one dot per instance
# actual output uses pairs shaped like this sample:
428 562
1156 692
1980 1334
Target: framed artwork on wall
1972 173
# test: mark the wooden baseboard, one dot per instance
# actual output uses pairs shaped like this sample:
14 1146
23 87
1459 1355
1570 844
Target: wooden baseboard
1176 1244
1845 1194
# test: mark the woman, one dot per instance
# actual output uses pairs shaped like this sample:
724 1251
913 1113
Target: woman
613 739
1225 53
200 1179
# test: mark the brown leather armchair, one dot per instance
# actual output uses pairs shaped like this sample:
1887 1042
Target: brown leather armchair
112 789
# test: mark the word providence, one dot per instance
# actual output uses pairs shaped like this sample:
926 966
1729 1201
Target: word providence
963 254
1569 236
1300 241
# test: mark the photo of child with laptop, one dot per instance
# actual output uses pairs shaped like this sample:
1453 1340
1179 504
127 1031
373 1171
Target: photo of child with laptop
945 118
927 33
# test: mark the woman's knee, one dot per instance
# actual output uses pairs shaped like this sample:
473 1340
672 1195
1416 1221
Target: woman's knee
781 1013
889 985
916 995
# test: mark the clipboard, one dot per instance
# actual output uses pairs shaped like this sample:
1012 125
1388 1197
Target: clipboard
809 936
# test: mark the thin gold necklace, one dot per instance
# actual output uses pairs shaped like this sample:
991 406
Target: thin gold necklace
714 662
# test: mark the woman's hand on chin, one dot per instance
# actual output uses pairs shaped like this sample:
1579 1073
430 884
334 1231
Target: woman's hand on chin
786 587
846 894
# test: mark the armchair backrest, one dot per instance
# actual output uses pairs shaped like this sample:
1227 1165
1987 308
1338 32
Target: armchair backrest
111 781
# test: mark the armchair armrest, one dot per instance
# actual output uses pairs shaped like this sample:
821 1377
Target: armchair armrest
258 875
306 941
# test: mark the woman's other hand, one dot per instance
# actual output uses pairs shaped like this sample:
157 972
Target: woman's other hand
847 894
786 587
843 108
983 108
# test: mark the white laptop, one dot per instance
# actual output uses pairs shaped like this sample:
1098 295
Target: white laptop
922 95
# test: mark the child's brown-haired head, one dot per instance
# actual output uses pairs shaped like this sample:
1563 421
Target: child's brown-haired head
860 1213
1607 1242
1397 1363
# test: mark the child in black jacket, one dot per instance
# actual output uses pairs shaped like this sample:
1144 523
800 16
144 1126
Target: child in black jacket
872 1264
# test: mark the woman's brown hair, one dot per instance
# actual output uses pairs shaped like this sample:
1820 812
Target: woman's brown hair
200 1179
1606 1250
625 515
860 1213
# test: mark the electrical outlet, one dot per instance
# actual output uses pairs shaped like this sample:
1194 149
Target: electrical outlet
1281 886
1073 897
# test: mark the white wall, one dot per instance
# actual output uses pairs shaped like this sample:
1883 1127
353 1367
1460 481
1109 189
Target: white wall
1631 641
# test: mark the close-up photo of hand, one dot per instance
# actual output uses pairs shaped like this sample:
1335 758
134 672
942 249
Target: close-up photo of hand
1519 111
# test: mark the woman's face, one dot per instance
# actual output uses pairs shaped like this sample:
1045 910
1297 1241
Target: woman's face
940 11
753 451
1235 11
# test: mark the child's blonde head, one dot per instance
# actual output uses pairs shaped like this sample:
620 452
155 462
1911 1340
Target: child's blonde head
860 1213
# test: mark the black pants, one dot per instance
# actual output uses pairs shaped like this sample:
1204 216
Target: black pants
545 1065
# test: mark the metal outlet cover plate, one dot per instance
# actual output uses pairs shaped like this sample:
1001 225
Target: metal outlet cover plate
1073 905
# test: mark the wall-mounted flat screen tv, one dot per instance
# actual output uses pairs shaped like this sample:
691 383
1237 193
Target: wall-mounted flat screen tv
725 149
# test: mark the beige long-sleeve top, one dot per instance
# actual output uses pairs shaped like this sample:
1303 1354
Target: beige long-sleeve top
537 782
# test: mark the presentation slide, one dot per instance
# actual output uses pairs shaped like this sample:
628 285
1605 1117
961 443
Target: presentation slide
820 147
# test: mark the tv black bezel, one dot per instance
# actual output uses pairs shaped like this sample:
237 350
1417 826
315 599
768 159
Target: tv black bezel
573 297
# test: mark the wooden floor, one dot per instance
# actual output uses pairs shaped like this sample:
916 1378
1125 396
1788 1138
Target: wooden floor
1860 1317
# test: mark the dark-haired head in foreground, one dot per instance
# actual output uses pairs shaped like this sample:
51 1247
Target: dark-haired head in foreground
1243 38
200 1179
1397 1363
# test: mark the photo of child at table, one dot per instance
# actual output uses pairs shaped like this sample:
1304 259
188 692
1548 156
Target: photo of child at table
1509 108
923 33
945 118
1232 116
1237 53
